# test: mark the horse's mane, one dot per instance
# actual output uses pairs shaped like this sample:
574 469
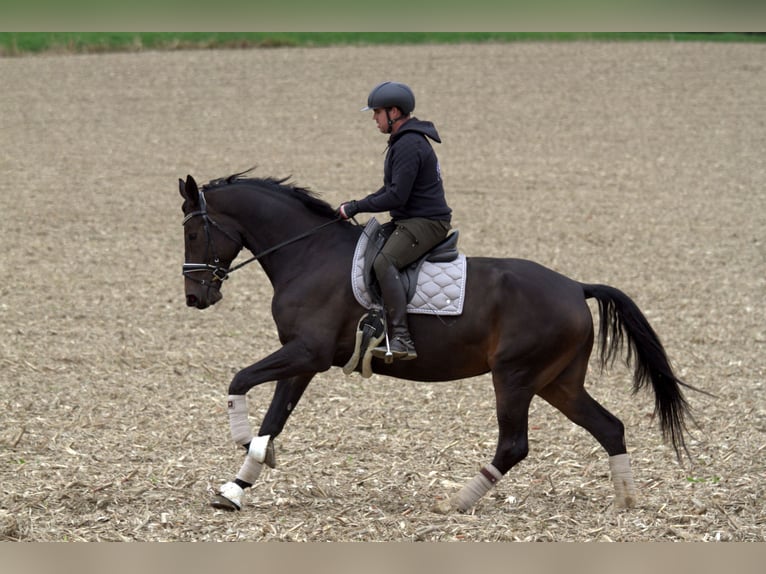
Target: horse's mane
306 196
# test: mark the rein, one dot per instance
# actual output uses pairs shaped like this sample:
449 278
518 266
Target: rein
265 252
222 273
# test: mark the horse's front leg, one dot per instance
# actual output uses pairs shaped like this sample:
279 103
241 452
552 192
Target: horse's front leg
260 450
281 365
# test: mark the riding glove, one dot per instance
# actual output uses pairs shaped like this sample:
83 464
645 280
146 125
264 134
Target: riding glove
347 210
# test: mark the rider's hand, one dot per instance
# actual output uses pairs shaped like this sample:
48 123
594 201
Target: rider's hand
347 210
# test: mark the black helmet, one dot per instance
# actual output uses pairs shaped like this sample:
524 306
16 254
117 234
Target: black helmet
389 95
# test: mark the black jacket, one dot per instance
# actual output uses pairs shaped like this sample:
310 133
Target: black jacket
411 176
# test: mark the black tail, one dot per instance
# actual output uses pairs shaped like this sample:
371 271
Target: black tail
620 318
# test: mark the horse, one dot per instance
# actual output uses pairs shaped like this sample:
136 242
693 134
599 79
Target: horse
527 325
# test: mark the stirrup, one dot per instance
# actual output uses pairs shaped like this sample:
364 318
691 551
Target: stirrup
399 348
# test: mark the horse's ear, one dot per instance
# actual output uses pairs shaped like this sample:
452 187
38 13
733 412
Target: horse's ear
189 190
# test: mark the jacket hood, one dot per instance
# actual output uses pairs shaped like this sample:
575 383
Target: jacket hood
419 126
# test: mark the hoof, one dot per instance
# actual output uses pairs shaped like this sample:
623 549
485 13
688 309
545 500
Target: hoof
624 503
222 503
229 497
271 457
445 506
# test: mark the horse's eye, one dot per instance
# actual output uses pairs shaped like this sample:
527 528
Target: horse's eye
192 236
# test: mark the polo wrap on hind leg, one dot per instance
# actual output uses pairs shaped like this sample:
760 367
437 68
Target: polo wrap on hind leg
477 487
241 433
622 478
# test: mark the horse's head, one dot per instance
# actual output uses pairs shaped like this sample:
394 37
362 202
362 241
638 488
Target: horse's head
209 249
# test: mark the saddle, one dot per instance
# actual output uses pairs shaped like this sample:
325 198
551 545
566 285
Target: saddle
443 252
435 285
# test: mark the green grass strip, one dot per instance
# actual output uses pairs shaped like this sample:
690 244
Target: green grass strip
19 43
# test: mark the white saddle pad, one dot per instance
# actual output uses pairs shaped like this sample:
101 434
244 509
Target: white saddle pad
440 288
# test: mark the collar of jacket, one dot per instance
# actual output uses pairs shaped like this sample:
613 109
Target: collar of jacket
418 126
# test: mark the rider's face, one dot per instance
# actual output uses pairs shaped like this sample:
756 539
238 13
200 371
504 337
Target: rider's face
379 115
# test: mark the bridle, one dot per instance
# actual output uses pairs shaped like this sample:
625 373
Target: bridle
219 272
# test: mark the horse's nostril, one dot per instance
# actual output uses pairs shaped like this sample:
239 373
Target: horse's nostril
191 300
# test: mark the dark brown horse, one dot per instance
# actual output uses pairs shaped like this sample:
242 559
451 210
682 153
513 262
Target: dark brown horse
528 325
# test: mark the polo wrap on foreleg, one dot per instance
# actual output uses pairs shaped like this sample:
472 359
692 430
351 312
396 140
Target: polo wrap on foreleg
477 487
622 478
250 470
241 433
257 454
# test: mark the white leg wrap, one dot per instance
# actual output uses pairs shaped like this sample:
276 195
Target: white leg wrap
622 478
251 470
475 488
259 447
241 433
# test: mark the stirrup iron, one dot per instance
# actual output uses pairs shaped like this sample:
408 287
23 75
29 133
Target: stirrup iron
389 357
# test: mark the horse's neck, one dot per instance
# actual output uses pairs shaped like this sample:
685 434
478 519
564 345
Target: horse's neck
298 247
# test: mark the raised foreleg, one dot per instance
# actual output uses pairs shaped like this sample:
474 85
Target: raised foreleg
260 449
294 368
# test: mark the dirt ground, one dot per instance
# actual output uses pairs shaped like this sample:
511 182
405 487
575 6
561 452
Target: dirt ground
637 165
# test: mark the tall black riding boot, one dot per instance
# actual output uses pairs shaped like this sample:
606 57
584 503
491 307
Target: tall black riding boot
395 301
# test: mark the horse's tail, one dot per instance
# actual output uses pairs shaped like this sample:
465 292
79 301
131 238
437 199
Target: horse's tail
620 318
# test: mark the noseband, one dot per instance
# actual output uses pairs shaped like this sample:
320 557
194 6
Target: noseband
219 273
222 273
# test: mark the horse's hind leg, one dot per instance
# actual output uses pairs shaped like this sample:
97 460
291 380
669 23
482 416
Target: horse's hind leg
513 399
568 395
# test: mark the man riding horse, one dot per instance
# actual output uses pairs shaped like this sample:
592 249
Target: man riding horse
413 193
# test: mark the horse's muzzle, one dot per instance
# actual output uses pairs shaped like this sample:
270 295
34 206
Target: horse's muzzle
192 301
202 302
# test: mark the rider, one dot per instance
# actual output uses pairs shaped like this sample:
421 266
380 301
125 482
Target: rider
412 193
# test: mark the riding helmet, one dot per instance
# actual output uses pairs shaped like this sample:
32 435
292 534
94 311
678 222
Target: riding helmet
389 95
